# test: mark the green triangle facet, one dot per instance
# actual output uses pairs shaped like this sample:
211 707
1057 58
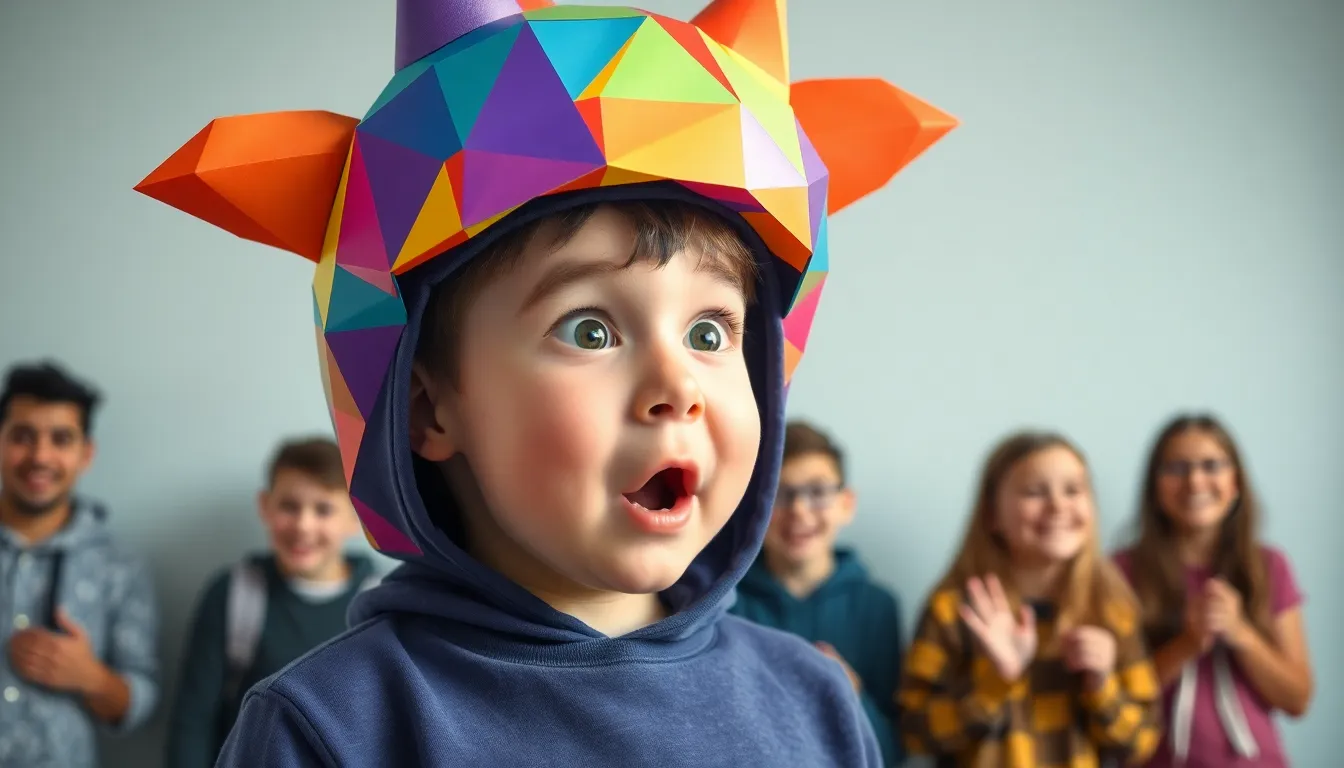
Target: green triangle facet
468 76
774 114
656 68
561 12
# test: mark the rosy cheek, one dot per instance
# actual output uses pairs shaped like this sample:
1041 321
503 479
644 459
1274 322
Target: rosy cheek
734 421
543 434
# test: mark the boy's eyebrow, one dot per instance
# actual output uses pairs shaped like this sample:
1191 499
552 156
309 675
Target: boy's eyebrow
561 275
567 273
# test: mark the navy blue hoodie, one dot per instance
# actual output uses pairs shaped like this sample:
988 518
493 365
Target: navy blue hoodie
857 617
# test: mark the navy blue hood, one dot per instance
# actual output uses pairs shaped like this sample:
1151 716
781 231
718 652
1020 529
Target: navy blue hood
446 582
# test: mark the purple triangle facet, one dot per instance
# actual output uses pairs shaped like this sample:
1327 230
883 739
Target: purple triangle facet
816 206
363 357
814 168
492 183
401 179
818 181
529 111
424 26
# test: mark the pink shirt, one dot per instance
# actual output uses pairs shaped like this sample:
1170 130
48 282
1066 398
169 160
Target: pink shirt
1209 745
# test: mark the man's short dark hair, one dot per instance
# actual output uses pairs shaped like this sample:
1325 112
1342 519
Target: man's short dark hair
47 382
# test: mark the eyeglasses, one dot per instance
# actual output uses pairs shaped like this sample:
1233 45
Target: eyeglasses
817 497
1186 468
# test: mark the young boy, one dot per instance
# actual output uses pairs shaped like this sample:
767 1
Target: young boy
551 309
803 583
272 608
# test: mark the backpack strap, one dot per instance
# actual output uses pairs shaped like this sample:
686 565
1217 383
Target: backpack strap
243 620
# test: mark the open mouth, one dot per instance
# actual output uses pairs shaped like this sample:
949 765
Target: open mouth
662 492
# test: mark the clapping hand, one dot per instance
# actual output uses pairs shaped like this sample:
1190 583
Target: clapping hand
1223 615
829 651
1091 651
1008 638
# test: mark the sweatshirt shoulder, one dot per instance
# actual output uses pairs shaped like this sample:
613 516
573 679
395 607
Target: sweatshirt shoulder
784 676
335 687
782 655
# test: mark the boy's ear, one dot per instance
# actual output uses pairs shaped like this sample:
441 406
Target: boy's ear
847 502
263 503
431 417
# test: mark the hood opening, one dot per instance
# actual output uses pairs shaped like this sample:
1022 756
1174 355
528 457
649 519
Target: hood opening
430 512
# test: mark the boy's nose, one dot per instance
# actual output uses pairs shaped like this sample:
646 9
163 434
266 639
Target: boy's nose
670 391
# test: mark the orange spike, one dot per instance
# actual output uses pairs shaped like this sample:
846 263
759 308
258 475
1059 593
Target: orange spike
535 5
865 130
757 29
270 178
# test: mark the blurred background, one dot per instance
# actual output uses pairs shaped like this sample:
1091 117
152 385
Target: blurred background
1140 213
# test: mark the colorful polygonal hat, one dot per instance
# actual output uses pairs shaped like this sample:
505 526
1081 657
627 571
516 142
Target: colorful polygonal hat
495 104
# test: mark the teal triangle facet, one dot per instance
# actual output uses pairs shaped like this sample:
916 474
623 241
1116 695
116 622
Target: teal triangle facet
317 311
467 76
399 82
578 50
821 253
355 304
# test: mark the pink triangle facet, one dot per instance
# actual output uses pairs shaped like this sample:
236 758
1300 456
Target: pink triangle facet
798 324
378 278
388 538
361 239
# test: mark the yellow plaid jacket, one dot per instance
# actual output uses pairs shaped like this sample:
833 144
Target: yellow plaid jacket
956 707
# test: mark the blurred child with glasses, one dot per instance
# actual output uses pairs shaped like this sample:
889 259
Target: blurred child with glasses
805 584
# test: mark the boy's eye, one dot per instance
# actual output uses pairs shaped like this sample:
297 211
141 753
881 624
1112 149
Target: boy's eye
705 336
585 332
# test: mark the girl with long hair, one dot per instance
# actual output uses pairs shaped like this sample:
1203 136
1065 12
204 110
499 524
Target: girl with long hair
1221 610
1029 650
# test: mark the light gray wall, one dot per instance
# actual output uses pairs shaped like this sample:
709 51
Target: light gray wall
1139 214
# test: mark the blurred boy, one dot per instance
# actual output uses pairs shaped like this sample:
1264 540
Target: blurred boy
269 609
803 583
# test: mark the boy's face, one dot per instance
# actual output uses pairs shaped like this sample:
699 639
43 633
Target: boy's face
811 507
604 411
308 524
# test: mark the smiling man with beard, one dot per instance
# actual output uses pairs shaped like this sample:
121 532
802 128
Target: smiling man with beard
78 615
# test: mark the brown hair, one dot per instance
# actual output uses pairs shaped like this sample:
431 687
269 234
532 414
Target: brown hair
1158 576
317 457
803 439
1092 582
663 229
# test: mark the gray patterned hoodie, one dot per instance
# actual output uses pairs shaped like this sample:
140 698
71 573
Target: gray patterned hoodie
110 593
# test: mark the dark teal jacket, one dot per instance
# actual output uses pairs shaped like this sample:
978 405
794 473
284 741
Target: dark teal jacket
859 618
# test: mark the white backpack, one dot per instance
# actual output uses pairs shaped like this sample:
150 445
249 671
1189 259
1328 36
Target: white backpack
245 615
